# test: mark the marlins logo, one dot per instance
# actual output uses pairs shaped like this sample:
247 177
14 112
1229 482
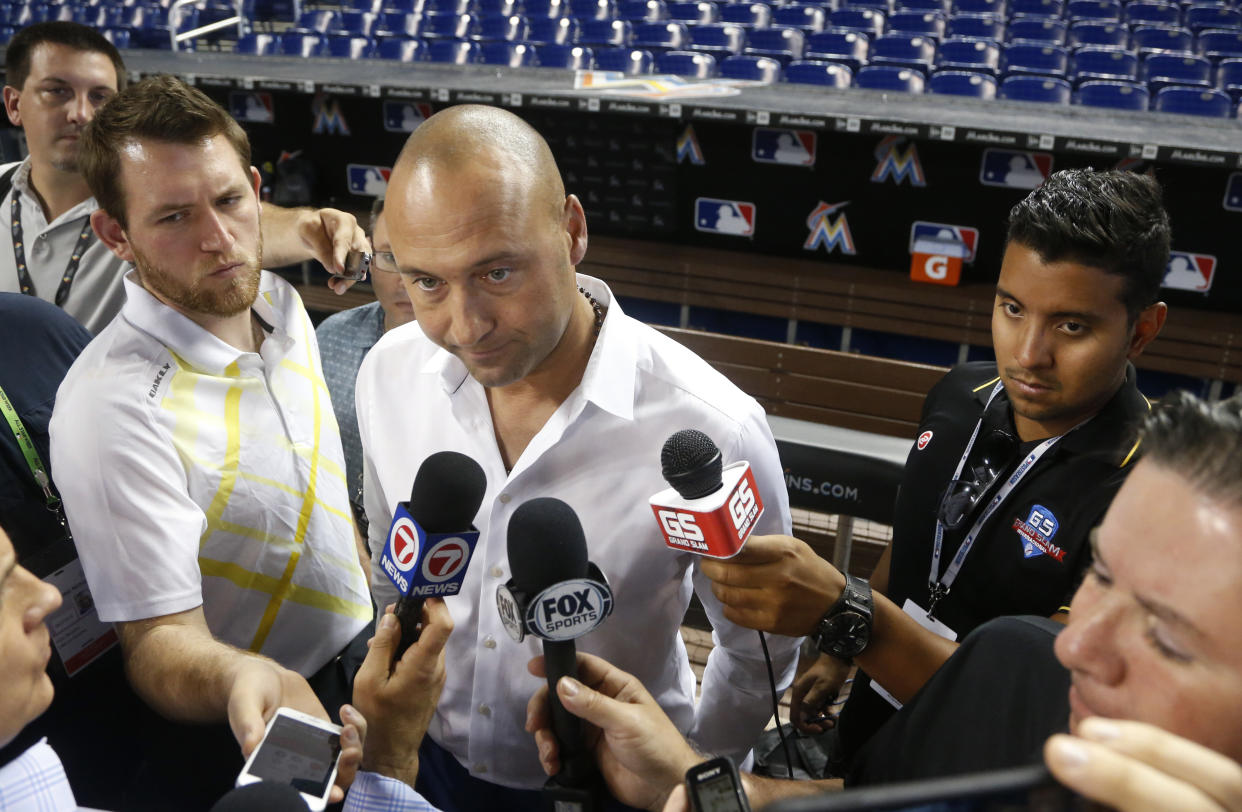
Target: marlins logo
827 232
1187 271
1037 533
1013 169
688 147
404 117
897 158
328 117
789 147
1233 192
368 180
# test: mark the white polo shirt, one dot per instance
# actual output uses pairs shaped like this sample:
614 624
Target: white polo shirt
195 474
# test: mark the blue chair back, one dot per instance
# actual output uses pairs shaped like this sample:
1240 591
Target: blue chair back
752 68
1032 88
962 83
1193 101
1112 95
890 77
819 72
630 61
687 63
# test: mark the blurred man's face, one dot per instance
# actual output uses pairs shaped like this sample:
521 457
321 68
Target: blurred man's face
25 645
1153 632
386 281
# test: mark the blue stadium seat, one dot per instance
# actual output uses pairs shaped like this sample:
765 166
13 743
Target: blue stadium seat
753 68
846 47
916 23
360 23
1229 78
402 6
718 39
890 77
997 7
1161 70
569 57
1193 101
752 15
401 49
1150 38
1052 9
941 6
1034 29
962 83
447 7
369 6
593 9
657 37
350 46
545 9
1034 57
615 33
303 43
701 12
642 11
818 72
780 43
510 54
1200 17
979 56
448 26
1148 12
117 36
1092 63
547 31
687 63
901 51
867 21
252 43
976 26
398 22
810 19
630 61
321 20
1093 10
497 8
885 6
1113 95
1218 45
1094 32
1035 89
453 51
502 28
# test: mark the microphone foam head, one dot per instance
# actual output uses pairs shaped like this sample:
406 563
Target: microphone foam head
690 462
447 492
261 796
546 545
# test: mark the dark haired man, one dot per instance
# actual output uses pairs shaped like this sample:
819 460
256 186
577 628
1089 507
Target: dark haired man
1014 462
58 74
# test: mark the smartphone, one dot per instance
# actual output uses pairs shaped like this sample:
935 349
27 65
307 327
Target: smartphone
299 750
714 786
357 265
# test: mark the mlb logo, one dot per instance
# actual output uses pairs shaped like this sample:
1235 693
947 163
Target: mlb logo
368 180
252 107
1187 271
937 251
732 217
942 232
788 147
1233 193
1013 169
404 117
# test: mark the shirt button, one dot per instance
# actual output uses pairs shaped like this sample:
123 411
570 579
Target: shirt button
480 768
504 498
489 642
496 572
484 710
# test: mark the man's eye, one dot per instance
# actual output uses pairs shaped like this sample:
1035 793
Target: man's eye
427 283
499 274
1074 328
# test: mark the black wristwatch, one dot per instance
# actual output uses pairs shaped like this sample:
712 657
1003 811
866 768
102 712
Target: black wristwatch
845 629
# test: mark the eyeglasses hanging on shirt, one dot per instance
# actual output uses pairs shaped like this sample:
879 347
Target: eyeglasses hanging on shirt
997 454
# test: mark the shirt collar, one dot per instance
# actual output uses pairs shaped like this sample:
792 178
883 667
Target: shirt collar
21 183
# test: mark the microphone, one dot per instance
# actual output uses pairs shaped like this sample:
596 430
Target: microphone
710 509
433 536
261 796
557 595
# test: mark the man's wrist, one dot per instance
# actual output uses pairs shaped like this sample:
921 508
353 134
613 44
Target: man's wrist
406 772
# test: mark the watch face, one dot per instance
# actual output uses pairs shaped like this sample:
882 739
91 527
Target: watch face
845 634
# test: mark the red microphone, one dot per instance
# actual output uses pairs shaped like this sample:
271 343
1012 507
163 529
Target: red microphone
710 509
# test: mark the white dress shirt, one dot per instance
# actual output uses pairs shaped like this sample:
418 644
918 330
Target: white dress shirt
600 453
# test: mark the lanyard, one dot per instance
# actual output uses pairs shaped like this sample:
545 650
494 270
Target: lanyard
37 469
939 586
19 256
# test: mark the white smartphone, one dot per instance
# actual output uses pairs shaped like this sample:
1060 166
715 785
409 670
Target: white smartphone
299 750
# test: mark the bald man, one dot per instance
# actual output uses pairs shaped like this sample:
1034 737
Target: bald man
535 372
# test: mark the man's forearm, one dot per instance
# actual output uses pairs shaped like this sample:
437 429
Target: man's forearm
282 241
902 655
762 791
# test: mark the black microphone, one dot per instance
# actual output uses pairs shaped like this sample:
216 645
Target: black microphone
261 796
432 536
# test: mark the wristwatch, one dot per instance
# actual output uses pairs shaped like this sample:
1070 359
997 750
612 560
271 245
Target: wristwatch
845 629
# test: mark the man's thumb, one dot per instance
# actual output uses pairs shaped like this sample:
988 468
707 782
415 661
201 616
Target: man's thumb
585 702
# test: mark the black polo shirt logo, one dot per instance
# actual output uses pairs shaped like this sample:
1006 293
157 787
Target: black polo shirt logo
924 439
1037 533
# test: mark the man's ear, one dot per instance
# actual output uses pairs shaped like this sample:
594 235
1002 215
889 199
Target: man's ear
257 180
112 235
11 97
1146 327
576 227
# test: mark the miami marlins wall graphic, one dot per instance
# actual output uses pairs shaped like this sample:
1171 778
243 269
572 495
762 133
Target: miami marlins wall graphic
829 229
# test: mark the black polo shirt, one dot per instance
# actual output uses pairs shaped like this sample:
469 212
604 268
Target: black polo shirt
1030 555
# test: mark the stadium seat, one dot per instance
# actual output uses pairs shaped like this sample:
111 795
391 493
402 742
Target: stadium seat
303 43
941 6
1113 95
630 61
1151 38
720 39
401 49
1032 88
1218 45
1034 57
1051 9
642 11
510 54
398 22
846 47
402 6
975 55
1229 78
593 9
996 7
885 6
687 63
453 51
1034 29
1105 10
867 21
252 43
753 68
358 23
917 23
368 6
976 26
1148 12
321 20
810 19
545 9
780 43
657 37
901 51
350 46
818 72
694 13
119 37
546 31
962 83
614 33
501 28
751 15
1092 63
448 26
890 77
569 57
1192 101
1161 70
1204 16
1089 32
496 8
